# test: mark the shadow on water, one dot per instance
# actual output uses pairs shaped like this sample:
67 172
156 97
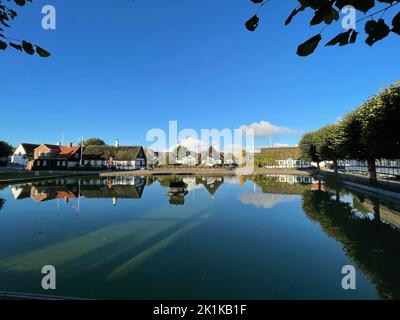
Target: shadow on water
368 229
367 226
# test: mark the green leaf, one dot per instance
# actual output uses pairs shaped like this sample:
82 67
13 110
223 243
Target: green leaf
3 45
28 47
16 46
396 24
342 39
293 14
309 46
252 23
376 30
20 2
353 37
42 52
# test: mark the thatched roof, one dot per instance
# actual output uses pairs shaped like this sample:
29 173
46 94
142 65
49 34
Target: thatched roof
281 153
117 153
117 191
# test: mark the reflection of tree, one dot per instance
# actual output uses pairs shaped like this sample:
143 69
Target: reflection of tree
374 246
2 202
165 181
271 185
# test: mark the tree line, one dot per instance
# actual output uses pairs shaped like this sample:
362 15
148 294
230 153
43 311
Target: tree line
369 133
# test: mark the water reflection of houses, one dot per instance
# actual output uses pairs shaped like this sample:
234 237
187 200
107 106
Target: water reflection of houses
275 189
46 193
21 191
113 188
212 184
67 189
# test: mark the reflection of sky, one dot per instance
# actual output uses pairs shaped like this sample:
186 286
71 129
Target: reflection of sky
266 200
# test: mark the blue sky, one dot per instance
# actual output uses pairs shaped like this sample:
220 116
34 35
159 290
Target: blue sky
120 68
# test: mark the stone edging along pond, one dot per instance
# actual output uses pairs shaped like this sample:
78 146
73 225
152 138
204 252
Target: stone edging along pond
385 188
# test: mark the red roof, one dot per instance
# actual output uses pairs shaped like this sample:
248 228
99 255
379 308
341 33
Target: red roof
63 151
66 152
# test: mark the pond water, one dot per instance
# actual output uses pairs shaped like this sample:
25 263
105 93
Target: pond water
261 237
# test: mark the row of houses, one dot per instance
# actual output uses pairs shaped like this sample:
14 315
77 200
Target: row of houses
209 157
57 157
383 166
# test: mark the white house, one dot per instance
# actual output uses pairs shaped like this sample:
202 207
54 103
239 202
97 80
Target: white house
120 158
383 166
189 160
212 157
282 158
23 153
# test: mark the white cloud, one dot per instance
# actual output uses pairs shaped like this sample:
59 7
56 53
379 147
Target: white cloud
192 144
196 145
266 200
267 129
280 145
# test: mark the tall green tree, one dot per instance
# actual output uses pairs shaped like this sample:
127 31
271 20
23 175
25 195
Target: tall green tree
371 132
5 149
308 148
352 145
328 144
93 142
380 117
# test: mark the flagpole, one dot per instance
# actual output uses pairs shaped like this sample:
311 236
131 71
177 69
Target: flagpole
81 150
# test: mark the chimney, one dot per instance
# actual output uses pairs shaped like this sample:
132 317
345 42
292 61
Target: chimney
117 143
70 145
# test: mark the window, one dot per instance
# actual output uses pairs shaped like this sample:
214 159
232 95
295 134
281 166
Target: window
38 163
44 163
58 163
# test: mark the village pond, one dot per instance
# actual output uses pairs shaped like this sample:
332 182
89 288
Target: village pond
259 237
